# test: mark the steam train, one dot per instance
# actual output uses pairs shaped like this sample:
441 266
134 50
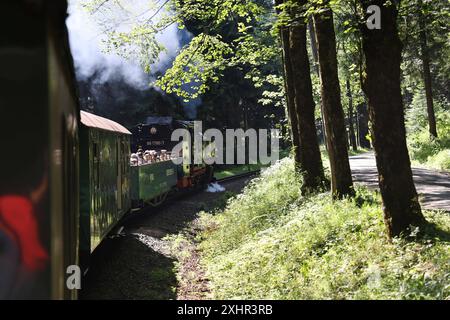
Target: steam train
65 175
110 187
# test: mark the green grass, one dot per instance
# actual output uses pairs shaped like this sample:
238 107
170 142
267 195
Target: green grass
232 170
431 152
440 160
272 243
352 152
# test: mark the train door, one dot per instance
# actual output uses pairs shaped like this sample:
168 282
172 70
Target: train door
125 173
95 211
119 193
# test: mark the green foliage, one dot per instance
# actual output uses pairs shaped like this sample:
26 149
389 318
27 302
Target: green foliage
129 32
440 160
254 215
270 243
424 149
435 15
139 43
199 62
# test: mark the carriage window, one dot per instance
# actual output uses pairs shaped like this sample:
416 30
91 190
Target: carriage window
96 165
125 156
118 158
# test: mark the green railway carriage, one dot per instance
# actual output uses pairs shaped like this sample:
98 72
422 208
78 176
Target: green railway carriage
151 183
104 178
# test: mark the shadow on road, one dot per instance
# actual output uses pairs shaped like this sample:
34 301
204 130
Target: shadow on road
433 187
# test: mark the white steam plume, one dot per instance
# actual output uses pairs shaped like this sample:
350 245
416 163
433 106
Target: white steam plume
86 45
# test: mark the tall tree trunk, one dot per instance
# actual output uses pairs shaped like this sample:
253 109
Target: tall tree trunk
312 37
290 94
362 115
426 72
341 175
311 160
351 117
300 106
382 49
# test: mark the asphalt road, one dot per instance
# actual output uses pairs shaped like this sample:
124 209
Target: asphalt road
433 187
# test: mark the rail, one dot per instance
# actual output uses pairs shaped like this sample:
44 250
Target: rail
239 176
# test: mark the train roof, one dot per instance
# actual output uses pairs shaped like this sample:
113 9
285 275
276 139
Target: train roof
159 120
93 121
165 121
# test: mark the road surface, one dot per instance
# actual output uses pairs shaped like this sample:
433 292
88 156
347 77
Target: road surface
433 187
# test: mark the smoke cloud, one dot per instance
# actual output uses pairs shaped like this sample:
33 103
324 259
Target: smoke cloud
90 60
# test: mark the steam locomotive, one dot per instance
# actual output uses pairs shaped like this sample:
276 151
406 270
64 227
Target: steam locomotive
65 175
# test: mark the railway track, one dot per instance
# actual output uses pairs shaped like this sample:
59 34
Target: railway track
137 213
239 176
135 263
143 213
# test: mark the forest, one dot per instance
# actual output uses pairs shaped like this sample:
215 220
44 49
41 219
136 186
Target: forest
338 78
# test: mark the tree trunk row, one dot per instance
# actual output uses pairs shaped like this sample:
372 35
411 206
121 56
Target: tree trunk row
382 50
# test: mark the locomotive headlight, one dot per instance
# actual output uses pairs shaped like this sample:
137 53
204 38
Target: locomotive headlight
153 130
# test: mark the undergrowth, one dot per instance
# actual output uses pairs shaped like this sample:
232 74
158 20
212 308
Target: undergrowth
272 243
